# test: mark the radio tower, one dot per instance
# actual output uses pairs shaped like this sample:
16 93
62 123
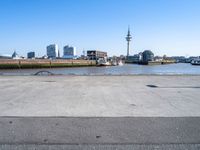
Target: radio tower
128 39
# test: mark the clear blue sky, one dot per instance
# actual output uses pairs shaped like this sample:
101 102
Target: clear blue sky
169 27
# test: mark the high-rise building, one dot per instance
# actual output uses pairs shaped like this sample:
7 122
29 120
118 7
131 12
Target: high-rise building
52 51
128 39
69 52
31 55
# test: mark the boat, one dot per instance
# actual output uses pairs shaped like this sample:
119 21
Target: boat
103 62
120 63
196 61
114 63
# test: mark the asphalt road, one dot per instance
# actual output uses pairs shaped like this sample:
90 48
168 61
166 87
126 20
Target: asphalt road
117 130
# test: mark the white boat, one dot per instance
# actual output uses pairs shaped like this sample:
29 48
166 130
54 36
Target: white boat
103 62
120 63
196 61
114 63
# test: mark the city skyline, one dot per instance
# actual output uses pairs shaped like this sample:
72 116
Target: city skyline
165 27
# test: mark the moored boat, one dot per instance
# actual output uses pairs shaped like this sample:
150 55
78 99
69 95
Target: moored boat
196 61
120 63
103 62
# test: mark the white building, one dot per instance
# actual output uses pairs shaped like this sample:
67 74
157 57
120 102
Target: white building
52 51
69 52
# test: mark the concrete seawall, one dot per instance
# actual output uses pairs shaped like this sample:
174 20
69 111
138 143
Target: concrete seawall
43 63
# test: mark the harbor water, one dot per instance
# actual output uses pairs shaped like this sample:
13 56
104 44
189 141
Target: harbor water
127 69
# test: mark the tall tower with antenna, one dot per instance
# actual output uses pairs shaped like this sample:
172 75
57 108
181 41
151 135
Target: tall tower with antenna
128 39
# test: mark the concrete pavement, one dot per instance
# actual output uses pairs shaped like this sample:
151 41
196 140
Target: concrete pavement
99 112
100 96
102 147
182 133
121 130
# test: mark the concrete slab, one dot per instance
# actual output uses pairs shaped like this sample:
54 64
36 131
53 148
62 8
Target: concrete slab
100 96
122 130
103 147
99 112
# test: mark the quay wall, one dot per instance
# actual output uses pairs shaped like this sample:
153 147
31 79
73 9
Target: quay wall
160 62
43 63
152 62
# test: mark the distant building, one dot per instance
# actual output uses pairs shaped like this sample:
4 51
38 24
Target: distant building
179 59
69 52
44 57
191 58
83 56
31 55
122 57
58 53
5 56
133 59
147 56
137 58
95 54
52 51
159 58
15 55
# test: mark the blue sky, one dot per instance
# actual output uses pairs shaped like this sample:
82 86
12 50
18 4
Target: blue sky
169 27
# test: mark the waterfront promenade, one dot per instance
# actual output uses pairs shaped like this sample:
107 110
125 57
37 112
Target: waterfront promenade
100 96
135 111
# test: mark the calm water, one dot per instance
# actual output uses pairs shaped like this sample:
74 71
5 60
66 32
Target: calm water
128 69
